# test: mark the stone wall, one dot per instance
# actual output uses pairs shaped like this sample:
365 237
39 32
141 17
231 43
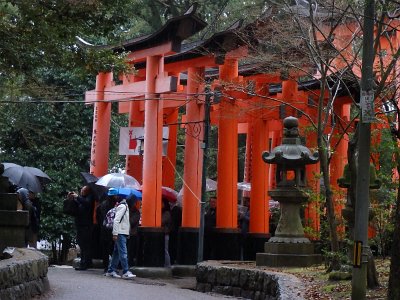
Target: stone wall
24 275
241 280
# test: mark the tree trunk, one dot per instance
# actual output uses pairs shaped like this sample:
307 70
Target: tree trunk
334 264
372 275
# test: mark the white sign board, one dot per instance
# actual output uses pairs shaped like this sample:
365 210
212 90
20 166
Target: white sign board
367 107
131 140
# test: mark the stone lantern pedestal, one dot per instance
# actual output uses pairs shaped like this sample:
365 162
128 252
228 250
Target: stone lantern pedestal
289 247
13 222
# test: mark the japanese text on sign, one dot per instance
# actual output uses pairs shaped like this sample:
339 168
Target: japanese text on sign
367 106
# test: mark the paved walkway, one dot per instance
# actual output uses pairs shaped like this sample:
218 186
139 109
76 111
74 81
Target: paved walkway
67 284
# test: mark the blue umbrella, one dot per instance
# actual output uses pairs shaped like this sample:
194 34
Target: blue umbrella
125 192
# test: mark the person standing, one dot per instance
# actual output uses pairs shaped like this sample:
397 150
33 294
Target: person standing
134 220
166 223
210 221
120 232
176 223
35 228
243 222
84 224
106 240
26 204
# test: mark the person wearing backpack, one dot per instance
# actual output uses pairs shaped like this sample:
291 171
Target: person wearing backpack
106 240
120 232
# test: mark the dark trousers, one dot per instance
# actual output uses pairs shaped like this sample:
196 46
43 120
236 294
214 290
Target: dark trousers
107 247
84 239
133 244
209 245
173 246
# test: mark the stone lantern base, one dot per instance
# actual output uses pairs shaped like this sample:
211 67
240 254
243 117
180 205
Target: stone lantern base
288 255
13 223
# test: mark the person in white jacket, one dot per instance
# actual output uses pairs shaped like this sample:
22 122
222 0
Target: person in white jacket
120 234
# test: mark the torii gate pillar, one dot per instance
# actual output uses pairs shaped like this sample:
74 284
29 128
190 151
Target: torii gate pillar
259 205
227 232
189 232
101 127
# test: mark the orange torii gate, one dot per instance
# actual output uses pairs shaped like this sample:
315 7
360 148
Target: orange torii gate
160 59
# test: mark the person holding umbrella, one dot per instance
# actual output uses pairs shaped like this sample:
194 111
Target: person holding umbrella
120 232
106 240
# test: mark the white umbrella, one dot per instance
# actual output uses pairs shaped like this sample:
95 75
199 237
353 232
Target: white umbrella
211 185
244 186
118 180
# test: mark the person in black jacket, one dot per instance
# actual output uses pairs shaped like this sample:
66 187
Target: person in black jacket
134 220
166 223
176 223
84 225
210 221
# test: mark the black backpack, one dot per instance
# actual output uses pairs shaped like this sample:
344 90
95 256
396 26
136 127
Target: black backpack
70 207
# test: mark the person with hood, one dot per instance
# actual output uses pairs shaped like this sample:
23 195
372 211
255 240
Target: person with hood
120 233
26 204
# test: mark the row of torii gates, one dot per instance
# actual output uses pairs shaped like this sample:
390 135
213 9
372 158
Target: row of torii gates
152 97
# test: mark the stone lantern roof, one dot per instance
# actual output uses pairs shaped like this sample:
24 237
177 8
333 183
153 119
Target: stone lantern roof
291 152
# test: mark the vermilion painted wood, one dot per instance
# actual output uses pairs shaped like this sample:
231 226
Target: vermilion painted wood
169 161
227 210
134 163
194 134
152 160
101 127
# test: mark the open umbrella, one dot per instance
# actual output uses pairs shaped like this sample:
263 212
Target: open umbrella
90 180
125 192
211 185
169 194
30 178
118 180
244 186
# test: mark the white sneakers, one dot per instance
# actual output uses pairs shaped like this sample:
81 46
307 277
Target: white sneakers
113 274
127 275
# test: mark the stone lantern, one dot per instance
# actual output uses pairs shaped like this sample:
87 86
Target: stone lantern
289 247
348 212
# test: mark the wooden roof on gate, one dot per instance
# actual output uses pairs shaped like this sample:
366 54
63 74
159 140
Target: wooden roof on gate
175 29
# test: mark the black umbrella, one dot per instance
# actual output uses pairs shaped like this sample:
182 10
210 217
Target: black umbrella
90 180
30 178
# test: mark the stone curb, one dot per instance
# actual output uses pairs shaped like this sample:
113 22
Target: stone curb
24 275
231 279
